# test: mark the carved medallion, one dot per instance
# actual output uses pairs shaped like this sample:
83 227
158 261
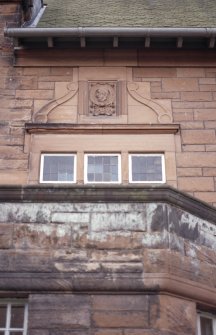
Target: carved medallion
102 98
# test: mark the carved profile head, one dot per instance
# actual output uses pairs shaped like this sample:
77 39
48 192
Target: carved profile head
102 94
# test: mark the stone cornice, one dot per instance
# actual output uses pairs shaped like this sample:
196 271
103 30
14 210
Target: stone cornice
136 194
122 283
48 128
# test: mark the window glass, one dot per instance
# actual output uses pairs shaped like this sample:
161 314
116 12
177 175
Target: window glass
58 168
13 316
3 313
146 168
206 325
101 168
17 316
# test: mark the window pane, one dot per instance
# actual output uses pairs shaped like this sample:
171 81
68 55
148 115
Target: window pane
106 176
17 316
98 168
58 168
106 168
114 160
91 159
15 333
107 160
206 326
146 168
90 176
3 312
98 177
102 168
2 333
98 160
114 177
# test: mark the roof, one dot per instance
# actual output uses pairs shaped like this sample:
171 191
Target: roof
128 13
188 24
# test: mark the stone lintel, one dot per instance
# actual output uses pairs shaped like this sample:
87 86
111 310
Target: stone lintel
49 128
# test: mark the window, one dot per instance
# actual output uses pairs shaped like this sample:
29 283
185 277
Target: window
146 168
102 168
58 168
206 324
13 318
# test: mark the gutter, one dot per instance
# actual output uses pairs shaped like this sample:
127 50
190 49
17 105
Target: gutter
110 31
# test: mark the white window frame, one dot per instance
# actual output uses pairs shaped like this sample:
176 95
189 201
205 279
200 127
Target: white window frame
57 181
130 155
9 303
101 182
207 316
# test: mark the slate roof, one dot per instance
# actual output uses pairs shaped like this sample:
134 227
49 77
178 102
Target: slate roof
129 13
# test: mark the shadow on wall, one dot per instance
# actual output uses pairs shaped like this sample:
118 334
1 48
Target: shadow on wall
30 10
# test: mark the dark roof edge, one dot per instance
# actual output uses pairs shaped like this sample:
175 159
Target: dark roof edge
156 193
110 31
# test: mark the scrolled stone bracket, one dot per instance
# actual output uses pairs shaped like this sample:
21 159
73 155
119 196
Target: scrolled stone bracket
42 116
135 93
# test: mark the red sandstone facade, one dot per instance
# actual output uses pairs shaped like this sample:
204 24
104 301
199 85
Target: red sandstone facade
117 260
183 87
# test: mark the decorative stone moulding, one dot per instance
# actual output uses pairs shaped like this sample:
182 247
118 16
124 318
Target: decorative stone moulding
102 98
44 114
134 90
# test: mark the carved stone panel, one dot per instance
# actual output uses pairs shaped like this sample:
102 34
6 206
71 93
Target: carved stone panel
102 101
102 98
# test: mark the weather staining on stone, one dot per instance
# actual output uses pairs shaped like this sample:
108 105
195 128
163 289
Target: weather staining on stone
102 98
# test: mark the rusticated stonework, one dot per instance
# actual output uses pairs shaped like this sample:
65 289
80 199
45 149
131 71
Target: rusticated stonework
102 98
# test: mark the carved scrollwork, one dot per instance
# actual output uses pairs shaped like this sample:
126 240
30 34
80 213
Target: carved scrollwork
43 114
162 115
102 98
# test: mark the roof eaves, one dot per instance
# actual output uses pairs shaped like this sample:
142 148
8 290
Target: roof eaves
122 37
110 31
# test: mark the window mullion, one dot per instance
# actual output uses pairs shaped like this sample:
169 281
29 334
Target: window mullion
199 325
8 319
25 320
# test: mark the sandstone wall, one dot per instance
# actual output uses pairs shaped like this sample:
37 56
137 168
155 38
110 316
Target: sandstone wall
134 238
12 157
110 315
192 91
107 268
187 92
